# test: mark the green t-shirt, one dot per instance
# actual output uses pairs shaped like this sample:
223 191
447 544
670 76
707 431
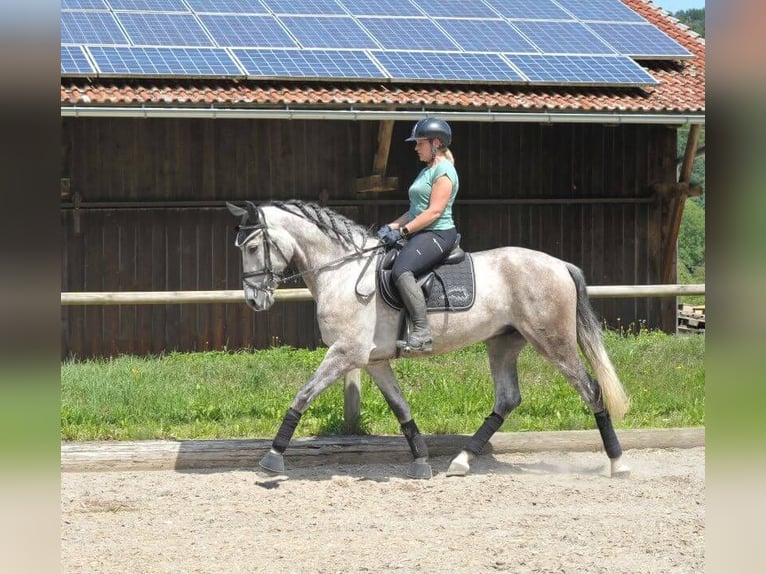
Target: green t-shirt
420 193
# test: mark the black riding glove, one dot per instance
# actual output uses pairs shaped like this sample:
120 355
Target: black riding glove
390 237
381 232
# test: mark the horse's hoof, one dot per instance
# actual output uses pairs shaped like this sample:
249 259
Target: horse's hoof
458 468
622 473
420 470
619 469
273 462
460 465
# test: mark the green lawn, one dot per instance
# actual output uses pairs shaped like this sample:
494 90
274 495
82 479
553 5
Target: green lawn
245 394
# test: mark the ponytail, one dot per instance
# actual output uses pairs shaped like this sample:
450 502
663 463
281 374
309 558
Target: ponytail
448 154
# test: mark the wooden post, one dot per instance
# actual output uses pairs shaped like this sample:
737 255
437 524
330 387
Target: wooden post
677 206
352 401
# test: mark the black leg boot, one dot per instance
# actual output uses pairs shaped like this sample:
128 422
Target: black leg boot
412 296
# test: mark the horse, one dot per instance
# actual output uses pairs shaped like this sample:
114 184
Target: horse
522 296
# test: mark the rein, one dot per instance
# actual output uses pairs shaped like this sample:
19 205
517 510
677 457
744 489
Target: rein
348 257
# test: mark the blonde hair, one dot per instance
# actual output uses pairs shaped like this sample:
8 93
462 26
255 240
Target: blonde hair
448 154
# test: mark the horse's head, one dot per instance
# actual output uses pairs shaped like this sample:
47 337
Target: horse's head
264 256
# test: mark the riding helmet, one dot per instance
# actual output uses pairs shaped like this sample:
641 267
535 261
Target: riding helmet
430 128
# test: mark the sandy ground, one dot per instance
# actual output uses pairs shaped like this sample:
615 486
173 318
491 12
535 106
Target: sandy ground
540 512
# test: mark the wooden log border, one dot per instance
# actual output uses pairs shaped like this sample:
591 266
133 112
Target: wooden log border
245 453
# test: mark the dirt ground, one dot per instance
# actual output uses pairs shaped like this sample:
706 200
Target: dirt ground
539 512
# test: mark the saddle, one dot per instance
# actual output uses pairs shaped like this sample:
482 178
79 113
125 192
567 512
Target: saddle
450 286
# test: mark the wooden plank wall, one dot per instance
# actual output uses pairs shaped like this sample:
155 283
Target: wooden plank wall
507 171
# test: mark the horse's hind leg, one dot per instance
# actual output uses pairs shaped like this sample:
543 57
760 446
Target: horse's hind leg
563 353
385 379
503 352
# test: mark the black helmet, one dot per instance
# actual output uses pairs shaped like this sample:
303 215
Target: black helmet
430 128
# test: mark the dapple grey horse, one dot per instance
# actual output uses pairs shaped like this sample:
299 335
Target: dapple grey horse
522 296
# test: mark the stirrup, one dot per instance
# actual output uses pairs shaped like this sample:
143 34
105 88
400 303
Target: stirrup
425 346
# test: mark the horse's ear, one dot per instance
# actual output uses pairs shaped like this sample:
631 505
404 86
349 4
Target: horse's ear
235 210
252 211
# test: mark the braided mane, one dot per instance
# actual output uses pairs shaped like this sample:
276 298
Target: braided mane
331 223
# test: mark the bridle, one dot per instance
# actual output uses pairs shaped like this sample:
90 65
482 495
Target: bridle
245 232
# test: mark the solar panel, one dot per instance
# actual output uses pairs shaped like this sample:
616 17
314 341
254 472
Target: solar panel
74 61
582 70
601 10
149 5
90 28
227 6
198 62
247 31
456 8
562 37
378 8
407 33
327 32
486 36
566 41
336 64
639 40
530 9
155 29
446 66
83 5
324 7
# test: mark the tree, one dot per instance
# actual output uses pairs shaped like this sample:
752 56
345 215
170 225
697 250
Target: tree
694 18
691 236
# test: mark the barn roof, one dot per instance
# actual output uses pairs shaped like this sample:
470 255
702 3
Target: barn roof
680 92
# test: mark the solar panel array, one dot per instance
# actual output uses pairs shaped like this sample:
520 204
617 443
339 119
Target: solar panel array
539 42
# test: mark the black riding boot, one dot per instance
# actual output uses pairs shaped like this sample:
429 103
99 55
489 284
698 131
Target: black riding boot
412 296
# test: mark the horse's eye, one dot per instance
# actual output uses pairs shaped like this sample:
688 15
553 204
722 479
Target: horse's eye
252 248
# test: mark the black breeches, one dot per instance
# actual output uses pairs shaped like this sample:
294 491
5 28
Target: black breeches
423 251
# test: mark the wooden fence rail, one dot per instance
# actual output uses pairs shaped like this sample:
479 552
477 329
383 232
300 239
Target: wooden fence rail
352 386
281 295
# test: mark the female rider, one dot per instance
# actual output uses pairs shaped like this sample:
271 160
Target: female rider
427 225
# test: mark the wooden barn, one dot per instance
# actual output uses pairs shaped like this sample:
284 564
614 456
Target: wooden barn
587 173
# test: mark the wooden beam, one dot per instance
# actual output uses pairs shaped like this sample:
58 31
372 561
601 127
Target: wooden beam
245 453
690 154
671 190
677 203
385 131
377 182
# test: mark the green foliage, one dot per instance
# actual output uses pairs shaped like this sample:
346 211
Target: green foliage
691 236
694 18
231 395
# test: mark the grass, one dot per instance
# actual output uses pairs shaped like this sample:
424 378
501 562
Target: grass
245 394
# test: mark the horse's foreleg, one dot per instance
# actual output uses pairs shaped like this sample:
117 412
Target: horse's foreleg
386 381
336 363
503 352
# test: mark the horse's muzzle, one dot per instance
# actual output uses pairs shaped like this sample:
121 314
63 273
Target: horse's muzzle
258 299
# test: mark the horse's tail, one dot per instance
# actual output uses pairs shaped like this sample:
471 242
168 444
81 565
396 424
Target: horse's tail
589 336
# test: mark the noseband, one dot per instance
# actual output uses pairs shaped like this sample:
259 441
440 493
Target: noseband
244 234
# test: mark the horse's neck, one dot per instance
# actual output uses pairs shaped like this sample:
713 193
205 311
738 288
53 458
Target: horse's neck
313 247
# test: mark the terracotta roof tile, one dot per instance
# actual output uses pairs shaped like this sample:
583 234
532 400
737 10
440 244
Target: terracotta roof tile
681 88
